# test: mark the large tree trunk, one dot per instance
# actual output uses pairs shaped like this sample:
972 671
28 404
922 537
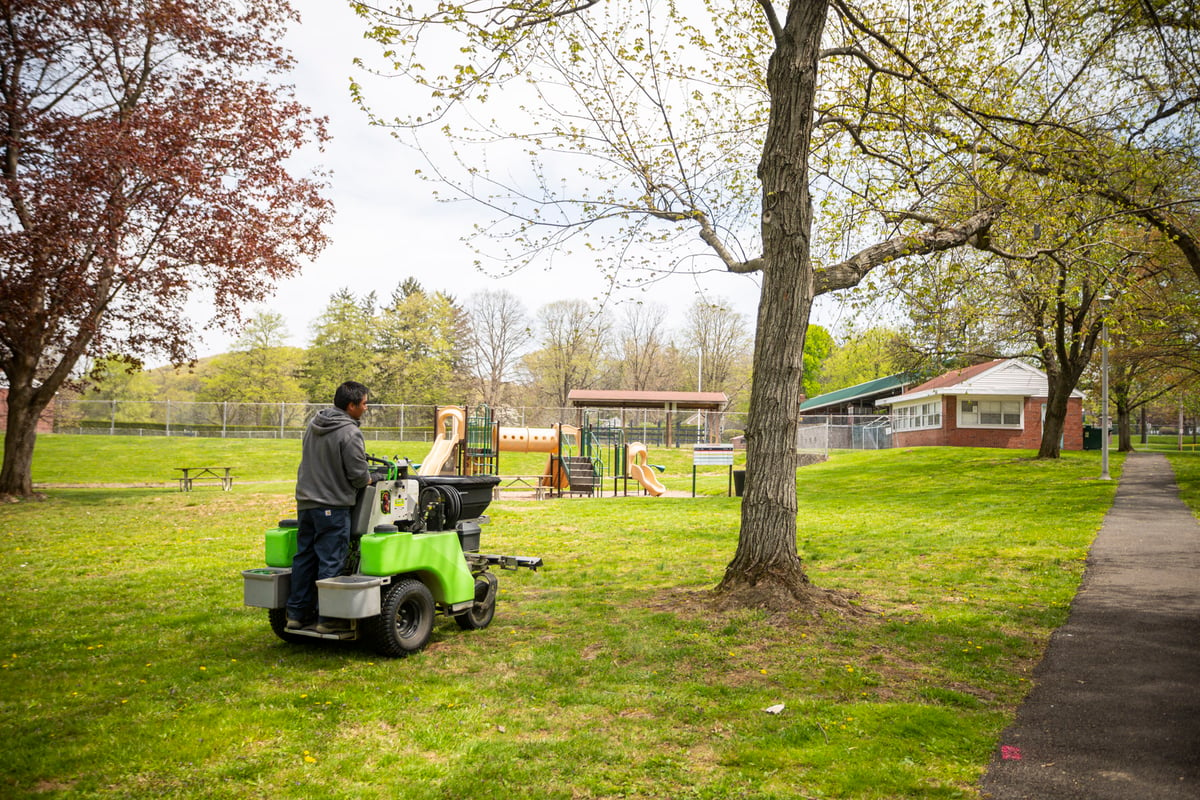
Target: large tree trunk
29 392
1120 392
766 570
1124 427
21 432
1059 385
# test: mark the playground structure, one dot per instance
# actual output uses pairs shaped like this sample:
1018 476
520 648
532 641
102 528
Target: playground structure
578 458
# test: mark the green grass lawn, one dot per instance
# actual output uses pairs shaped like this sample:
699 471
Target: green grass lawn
1187 474
1166 443
151 460
130 667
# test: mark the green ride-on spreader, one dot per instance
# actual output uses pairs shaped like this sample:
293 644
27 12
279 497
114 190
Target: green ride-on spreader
414 553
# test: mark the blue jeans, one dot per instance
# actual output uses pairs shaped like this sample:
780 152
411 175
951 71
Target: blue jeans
321 545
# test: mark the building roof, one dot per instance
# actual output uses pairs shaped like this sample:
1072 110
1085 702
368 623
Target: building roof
1003 377
957 376
597 398
869 390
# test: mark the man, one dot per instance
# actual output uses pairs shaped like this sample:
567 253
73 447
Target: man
333 467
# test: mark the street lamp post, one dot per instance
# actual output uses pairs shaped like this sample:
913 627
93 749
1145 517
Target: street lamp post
1104 423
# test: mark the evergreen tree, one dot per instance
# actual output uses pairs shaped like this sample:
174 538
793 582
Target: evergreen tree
341 348
421 349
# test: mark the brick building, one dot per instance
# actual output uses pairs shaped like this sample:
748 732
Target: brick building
45 422
1000 403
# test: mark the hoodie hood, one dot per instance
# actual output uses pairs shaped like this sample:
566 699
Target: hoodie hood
329 420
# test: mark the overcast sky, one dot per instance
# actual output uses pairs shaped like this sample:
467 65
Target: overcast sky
388 225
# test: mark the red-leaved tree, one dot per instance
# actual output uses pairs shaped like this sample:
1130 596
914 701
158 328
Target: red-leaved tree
144 162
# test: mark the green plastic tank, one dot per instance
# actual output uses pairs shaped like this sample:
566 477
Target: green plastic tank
281 543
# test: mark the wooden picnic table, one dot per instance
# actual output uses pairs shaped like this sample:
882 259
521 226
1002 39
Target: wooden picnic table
190 474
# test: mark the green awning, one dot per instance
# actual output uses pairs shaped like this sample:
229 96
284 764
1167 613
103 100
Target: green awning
871 389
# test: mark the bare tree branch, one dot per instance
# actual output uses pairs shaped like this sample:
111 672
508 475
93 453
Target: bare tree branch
851 271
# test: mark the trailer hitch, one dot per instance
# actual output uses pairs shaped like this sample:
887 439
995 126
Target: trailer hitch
505 562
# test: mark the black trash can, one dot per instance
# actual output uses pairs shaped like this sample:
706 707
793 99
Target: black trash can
739 482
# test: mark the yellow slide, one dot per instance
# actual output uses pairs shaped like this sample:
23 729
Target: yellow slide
640 471
443 446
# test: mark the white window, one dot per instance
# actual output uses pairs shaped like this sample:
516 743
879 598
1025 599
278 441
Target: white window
989 413
918 416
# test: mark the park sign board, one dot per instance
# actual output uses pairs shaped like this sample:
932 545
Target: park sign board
707 455
712 455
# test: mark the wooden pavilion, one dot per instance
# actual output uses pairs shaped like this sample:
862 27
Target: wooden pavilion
670 402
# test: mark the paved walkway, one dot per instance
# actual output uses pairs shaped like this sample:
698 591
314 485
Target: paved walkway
1115 709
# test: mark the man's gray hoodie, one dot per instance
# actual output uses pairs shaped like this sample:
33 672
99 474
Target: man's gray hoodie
333 462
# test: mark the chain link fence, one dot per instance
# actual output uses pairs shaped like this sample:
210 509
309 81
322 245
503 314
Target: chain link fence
406 422
820 434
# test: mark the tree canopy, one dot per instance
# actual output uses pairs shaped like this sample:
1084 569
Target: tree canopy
145 150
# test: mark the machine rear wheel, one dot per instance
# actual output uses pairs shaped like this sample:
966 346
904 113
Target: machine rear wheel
405 621
480 615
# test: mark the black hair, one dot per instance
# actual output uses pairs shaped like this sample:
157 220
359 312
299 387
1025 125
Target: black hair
349 392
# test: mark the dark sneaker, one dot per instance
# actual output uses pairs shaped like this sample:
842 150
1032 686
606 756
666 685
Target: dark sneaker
332 626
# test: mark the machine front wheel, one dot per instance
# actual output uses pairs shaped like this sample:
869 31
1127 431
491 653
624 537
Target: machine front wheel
405 621
480 615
